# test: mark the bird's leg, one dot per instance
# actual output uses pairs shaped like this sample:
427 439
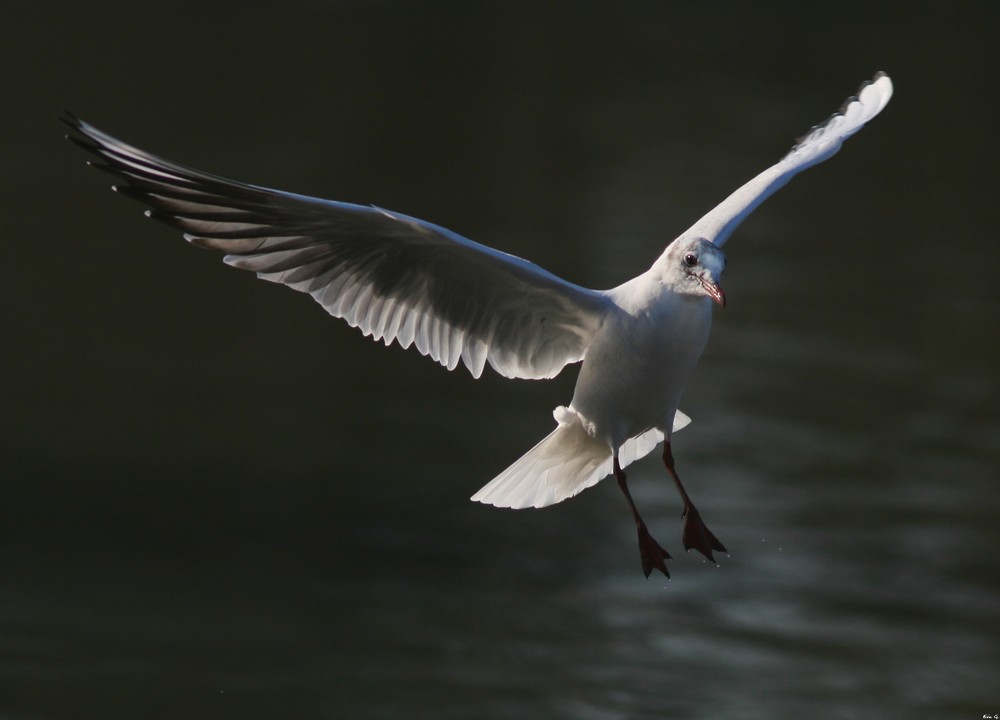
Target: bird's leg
652 554
696 533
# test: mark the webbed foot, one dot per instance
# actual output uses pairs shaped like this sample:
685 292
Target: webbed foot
698 536
653 556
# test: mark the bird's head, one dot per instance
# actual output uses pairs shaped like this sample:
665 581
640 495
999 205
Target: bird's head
695 266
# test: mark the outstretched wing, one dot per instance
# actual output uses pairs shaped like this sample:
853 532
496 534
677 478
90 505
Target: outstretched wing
392 276
818 144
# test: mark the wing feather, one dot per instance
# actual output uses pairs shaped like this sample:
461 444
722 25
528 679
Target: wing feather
821 142
396 278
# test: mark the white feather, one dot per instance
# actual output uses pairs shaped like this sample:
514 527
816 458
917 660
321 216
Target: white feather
565 463
399 279
819 144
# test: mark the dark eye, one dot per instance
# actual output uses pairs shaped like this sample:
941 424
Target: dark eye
690 259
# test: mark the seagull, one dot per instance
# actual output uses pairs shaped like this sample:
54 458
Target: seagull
400 279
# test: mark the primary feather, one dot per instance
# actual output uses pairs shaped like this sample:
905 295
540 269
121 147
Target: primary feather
394 277
819 144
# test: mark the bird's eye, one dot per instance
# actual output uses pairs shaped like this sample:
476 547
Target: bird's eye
690 259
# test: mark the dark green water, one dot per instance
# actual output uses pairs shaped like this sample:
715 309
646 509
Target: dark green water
220 503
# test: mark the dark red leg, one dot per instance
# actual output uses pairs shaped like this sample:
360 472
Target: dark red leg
696 533
652 554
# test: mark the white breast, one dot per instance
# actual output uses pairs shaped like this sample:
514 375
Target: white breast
636 368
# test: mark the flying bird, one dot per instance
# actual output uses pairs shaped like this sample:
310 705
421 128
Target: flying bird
400 279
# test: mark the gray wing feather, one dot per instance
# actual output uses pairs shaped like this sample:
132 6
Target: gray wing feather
394 277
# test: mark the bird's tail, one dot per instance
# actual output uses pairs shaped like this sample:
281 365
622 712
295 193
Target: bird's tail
564 464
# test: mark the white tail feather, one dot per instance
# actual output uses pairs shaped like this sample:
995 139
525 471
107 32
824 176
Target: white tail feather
566 462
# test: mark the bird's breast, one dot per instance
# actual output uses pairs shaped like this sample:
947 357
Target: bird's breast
635 369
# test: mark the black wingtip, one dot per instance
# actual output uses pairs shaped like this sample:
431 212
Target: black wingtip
80 141
77 134
69 119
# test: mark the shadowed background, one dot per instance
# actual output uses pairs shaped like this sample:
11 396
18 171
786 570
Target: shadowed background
217 501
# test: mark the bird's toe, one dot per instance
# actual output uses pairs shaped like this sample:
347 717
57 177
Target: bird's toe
653 556
697 536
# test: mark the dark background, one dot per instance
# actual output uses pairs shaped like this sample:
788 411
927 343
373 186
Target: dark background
219 502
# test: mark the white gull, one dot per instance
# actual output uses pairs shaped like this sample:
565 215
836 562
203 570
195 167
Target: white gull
401 279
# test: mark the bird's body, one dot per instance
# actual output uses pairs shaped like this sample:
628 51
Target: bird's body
402 279
624 387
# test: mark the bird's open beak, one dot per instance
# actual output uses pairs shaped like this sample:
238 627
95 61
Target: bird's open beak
713 290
